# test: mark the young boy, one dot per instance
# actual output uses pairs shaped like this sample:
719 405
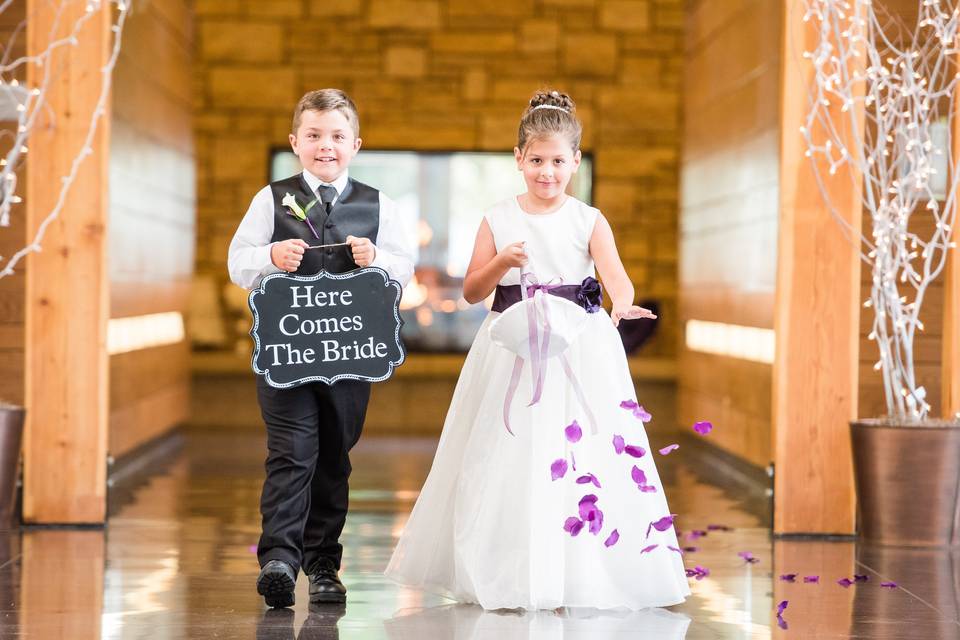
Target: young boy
311 428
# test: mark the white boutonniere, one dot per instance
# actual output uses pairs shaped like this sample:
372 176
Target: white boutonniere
298 212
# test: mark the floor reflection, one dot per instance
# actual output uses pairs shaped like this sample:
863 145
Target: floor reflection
177 562
321 623
470 622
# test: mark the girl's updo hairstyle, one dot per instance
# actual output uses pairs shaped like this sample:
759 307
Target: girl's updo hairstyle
556 116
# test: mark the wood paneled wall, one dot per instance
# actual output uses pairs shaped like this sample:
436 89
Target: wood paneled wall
728 211
152 214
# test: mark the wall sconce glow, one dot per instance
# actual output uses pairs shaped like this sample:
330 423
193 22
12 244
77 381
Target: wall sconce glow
141 332
731 340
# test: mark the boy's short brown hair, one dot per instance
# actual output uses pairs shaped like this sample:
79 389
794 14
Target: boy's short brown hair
328 100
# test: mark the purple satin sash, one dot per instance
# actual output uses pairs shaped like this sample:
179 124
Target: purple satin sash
506 296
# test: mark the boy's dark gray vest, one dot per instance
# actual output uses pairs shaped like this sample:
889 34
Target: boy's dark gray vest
356 213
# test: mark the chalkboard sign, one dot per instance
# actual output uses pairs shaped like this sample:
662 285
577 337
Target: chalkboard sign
326 327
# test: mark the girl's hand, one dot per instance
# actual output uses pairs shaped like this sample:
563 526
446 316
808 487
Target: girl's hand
513 255
629 312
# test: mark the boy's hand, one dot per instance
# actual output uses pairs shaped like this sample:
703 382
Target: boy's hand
514 255
629 312
288 254
364 251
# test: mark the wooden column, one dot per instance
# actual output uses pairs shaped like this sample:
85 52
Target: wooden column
950 363
67 295
816 319
951 333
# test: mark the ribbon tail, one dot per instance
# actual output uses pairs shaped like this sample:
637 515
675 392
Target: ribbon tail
544 346
511 391
579 391
534 346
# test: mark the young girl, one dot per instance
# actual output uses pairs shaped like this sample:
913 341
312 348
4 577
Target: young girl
552 514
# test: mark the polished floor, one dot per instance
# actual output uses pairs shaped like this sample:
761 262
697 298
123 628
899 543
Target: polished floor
177 561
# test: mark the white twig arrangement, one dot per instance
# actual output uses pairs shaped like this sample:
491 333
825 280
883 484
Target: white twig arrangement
882 108
31 102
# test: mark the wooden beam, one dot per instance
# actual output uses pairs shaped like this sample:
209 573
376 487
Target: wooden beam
816 319
951 333
950 359
66 372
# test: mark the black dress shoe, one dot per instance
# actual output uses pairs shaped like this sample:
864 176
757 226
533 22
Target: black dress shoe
325 585
276 583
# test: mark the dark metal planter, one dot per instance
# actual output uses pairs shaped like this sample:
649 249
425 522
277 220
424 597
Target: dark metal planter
908 482
11 432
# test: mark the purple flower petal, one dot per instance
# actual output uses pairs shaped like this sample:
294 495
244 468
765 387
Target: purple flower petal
612 538
589 478
749 557
252 548
698 572
718 527
696 533
647 488
783 605
662 524
680 551
808 579
789 577
649 548
845 582
857 577
638 475
573 432
590 513
618 445
558 469
573 526
703 428
635 451
667 449
889 585
629 404
691 549
782 623
642 414
596 521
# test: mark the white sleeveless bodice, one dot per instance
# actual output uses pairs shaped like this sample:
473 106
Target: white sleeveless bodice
558 243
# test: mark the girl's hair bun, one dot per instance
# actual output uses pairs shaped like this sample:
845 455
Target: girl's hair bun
553 99
550 112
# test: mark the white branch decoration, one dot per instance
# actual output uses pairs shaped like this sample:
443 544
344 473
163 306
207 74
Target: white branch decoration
31 101
895 90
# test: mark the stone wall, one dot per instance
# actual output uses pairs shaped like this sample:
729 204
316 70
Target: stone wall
431 75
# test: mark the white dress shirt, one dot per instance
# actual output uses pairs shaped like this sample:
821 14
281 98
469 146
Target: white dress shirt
249 257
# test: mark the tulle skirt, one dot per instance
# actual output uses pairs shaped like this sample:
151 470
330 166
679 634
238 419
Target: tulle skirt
494 524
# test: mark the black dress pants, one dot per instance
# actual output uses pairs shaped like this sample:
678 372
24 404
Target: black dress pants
310 431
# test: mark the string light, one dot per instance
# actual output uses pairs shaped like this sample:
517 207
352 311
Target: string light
907 93
27 115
